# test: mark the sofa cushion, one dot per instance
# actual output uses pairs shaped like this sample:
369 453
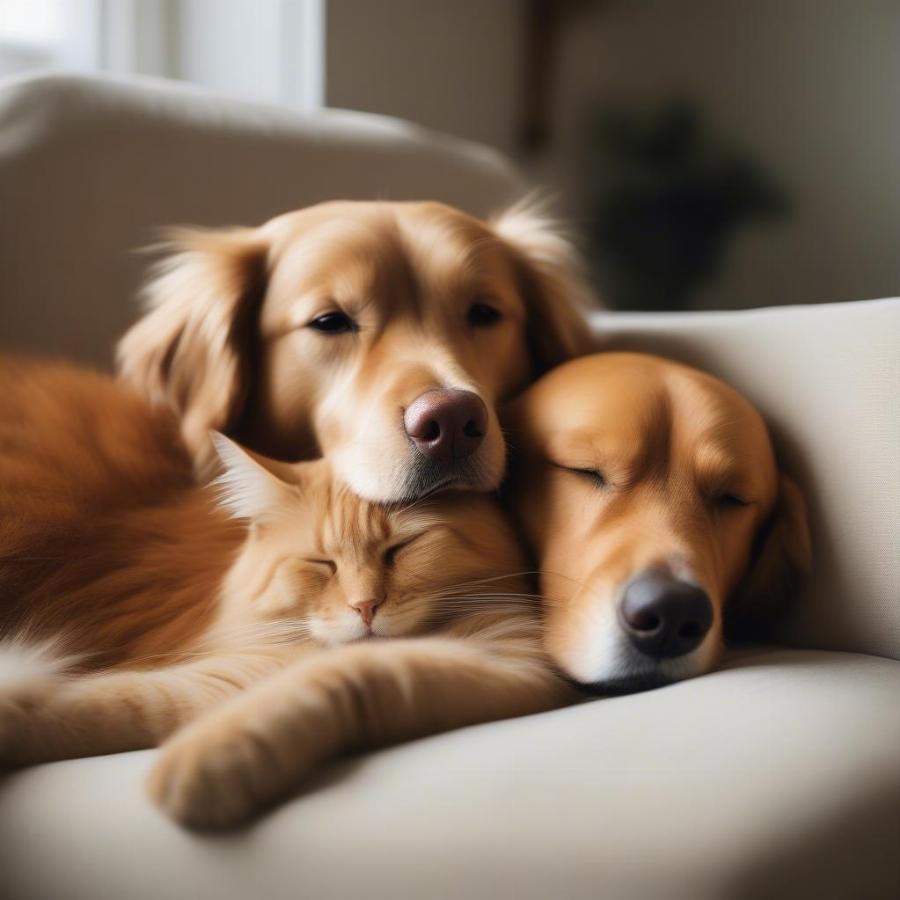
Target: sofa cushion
91 168
777 777
828 380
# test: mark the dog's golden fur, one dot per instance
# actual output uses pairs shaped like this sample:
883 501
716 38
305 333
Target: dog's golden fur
236 627
228 341
176 599
629 464
171 607
103 534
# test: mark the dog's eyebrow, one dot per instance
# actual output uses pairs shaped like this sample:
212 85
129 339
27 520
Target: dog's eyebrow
590 449
717 467
720 479
571 446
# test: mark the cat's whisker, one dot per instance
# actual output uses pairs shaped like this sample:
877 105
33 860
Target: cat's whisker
469 598
452 594
510 617
532 598
471 602
486 580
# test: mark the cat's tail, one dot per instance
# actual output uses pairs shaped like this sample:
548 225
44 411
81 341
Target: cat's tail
26 663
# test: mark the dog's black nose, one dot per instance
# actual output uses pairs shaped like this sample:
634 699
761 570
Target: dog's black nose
664 616
446 424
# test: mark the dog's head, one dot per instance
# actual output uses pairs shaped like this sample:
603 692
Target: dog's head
651 496
380 334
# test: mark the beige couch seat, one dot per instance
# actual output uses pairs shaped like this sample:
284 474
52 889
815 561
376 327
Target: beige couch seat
776 777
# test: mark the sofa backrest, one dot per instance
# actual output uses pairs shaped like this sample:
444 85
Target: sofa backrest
91 168
827 378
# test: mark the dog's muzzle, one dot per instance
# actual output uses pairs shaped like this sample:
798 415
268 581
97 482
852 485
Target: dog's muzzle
428 476
446 426
663 616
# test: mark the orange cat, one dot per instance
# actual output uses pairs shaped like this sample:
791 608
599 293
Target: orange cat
175 598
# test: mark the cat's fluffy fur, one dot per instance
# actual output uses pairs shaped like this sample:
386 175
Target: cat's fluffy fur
172 599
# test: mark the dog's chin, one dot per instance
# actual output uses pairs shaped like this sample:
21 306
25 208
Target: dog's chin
417 477
605 663
426 477
628 684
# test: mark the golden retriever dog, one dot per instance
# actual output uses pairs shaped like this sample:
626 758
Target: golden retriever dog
651 496
382 335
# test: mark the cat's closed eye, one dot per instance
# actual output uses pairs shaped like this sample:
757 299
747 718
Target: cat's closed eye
390 555
328 564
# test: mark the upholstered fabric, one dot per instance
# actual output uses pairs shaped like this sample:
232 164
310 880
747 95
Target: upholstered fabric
778 777
91 169
828 380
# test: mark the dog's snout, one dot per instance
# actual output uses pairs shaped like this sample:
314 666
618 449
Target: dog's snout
446 424
665 616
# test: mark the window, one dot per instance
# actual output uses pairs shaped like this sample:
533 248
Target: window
40 34
259 49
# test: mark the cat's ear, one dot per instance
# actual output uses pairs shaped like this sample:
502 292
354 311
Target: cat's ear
247 489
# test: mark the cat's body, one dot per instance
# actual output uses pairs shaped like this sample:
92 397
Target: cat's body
246 617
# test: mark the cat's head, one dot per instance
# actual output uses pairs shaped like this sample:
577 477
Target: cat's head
341 569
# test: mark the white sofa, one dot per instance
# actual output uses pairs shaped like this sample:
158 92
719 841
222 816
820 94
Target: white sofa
776 777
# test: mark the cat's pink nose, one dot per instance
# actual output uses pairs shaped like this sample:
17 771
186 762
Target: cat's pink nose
366 609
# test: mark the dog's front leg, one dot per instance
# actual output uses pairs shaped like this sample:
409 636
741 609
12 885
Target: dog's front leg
259 746
64 717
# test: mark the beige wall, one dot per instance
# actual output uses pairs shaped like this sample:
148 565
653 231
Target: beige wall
811 87
449 64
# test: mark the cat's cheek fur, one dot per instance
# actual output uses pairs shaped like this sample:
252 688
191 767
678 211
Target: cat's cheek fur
336 630
406 621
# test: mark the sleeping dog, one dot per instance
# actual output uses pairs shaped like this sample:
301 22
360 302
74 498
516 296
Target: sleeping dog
651 496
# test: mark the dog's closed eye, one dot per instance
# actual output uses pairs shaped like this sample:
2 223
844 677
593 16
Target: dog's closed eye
594 476
731 501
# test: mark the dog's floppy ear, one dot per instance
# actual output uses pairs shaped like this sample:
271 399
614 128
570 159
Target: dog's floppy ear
552 283
781 557
190 350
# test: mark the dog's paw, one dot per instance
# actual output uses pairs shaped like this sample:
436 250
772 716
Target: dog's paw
216 774
207 780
